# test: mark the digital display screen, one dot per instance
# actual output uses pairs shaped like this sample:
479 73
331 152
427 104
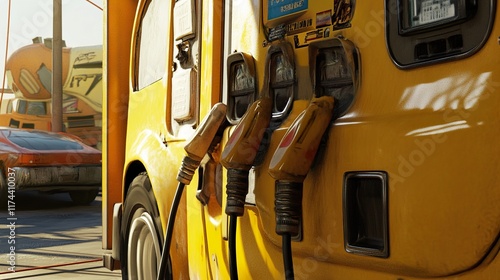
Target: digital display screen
423 14
429 11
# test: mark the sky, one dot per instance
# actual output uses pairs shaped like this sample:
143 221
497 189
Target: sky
82 24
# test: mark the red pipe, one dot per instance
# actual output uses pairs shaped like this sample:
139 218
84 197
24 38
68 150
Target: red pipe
52 266
94 4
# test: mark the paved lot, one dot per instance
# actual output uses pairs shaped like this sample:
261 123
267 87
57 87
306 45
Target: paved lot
53 239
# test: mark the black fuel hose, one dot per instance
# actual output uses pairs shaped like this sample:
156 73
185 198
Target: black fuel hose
165 256
287 256
233 267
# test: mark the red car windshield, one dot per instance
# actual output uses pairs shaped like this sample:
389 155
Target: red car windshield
39 140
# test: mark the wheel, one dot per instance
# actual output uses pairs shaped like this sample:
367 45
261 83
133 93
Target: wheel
83 197
141 237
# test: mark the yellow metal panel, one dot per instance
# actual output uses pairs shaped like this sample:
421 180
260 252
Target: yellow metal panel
211 67
441 223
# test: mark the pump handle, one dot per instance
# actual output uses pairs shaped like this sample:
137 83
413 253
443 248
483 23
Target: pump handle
205 134
206 137
241 148
296 151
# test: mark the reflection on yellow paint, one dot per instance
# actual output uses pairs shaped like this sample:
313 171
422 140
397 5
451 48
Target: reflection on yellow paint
438 129
450 92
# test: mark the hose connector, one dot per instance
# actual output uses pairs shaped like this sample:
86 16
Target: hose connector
288 207
236 191
187 170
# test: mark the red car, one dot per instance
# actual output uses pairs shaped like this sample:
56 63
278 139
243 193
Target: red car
48 162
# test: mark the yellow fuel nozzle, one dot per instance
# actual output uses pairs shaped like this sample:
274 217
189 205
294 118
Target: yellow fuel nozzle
293 159
240 152
206 137
242 146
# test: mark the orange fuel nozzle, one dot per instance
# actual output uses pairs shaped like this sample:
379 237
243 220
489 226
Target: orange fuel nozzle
240 152
293 159
207 136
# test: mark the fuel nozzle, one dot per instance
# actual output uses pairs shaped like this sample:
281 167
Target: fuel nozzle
238 157
289 166
206 137
240 152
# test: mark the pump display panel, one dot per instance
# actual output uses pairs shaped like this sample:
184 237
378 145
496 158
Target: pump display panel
420 32
416 15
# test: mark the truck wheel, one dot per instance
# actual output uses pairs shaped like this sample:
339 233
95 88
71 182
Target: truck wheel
83 197
141 237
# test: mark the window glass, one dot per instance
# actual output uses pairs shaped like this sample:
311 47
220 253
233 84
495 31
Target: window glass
151 48
36 108
21 109
40 140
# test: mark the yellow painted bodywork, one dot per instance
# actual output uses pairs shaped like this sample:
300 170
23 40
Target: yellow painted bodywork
433 129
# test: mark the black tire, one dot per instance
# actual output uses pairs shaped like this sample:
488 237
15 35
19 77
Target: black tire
140 207
83 197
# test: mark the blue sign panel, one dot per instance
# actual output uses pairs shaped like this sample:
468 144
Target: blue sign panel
279 8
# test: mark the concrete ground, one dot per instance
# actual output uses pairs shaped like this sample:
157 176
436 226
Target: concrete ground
91 270
54 239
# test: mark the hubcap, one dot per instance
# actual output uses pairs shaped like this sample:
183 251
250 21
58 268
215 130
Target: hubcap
144 249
